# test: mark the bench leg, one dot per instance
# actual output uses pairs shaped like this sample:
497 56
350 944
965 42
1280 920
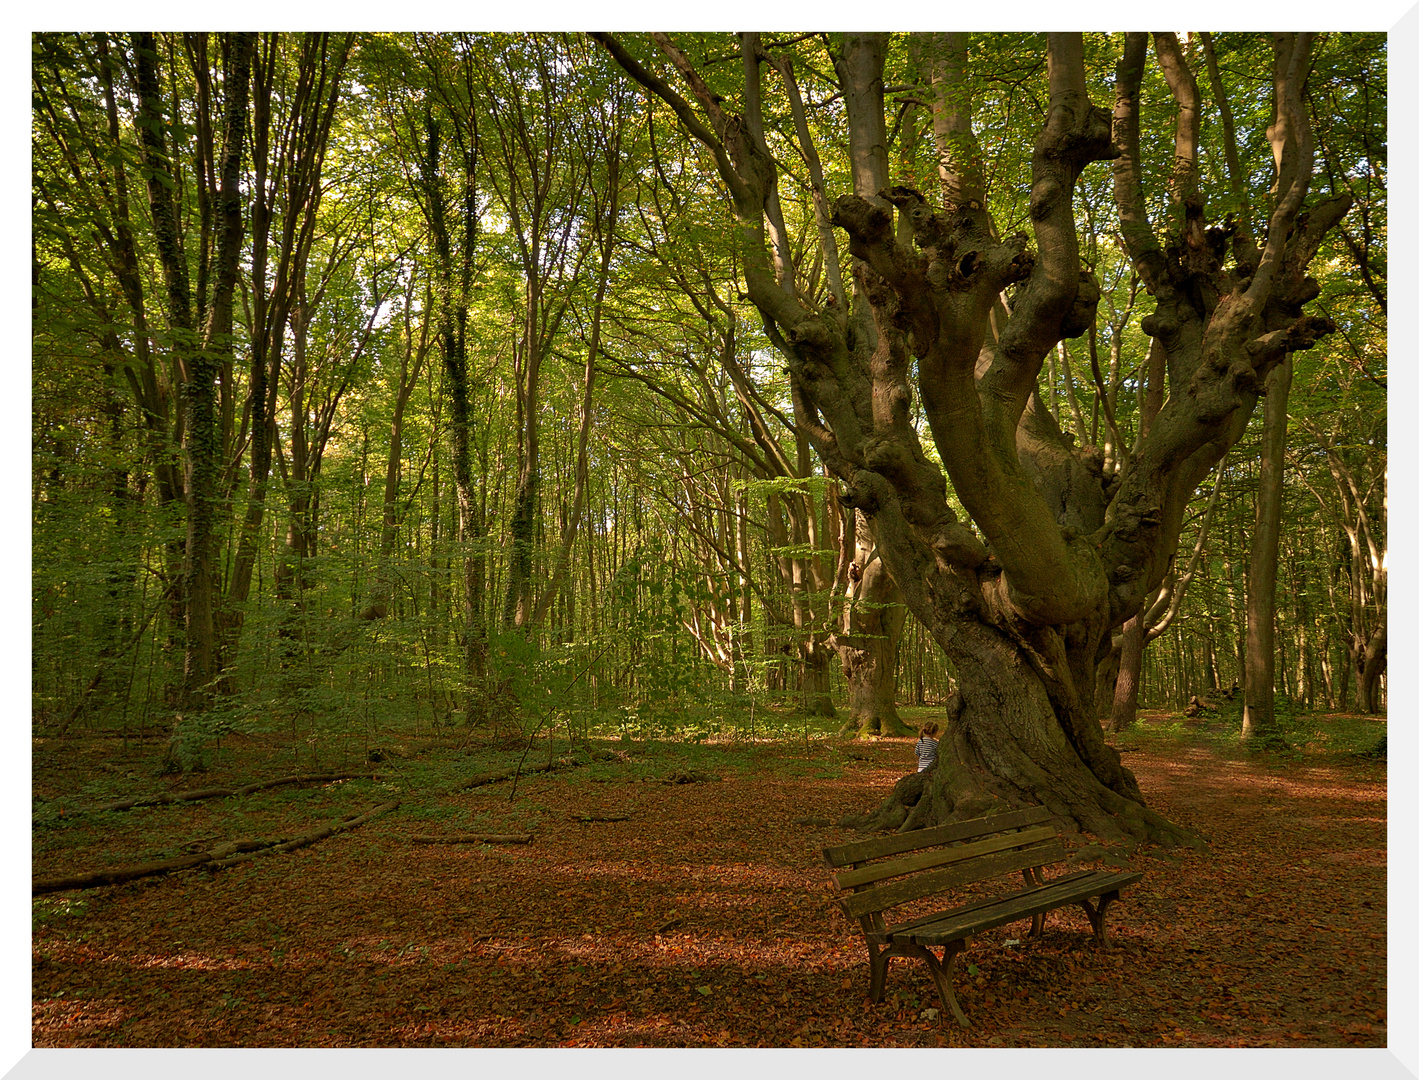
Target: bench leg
1096 915
941 972
880 955
1035 876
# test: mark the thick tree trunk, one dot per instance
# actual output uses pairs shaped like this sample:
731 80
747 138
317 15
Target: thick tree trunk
1372 665
1004 745
1059 554
207 356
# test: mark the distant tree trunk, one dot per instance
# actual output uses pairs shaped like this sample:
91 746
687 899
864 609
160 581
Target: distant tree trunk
1130 672
872 622
1259 714
1130 668
1371 667
531 131
411 364
291 561
815 691
606 210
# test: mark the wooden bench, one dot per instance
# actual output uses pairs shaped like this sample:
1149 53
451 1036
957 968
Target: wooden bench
877 875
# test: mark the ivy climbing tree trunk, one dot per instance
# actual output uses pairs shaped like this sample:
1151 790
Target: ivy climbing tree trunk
455 236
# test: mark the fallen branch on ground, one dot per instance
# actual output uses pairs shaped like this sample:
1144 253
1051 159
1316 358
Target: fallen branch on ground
475 838
219 857
218 793
315 836
508 774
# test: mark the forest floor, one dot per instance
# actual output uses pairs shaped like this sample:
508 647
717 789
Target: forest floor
704 918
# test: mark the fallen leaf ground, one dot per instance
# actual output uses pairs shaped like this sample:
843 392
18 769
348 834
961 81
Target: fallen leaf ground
704 919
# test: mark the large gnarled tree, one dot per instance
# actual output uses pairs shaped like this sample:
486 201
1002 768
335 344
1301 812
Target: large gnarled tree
947 310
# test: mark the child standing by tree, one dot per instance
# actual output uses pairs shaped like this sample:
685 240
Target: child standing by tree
926 747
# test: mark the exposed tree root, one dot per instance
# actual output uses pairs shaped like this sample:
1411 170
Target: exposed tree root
885 725
950 792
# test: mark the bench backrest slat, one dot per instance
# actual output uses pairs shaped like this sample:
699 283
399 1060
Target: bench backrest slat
892 893
881 847
926 860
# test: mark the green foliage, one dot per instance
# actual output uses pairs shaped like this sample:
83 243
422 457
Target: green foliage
682 455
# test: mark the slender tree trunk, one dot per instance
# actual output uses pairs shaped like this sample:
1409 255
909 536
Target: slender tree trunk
607 212
872 622
1130 671
296 172
1259 714
411 364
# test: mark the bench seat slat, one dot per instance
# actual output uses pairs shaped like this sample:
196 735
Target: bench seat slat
925 860
931 882
955 925
881 937
881 847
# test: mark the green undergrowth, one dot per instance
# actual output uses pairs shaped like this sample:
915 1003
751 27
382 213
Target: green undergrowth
1301 735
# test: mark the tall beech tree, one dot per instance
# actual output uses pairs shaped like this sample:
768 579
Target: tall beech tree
199 319
428 97
1023 601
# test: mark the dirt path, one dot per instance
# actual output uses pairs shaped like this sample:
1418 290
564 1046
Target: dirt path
705 919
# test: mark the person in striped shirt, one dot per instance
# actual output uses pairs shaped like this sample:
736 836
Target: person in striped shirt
926 747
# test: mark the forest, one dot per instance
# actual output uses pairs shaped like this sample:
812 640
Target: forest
423 415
